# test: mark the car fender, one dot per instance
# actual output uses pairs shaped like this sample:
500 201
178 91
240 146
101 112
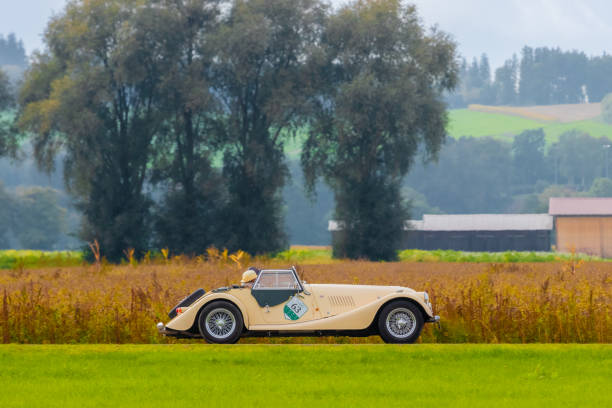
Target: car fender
187 319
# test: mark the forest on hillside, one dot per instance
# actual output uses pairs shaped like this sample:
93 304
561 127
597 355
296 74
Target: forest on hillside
538 76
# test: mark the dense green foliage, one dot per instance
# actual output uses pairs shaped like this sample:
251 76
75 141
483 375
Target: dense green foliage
151 94
92 95
383 102
6 102
179 124
261 79
490 175
606 109
186 218
305 376
31 217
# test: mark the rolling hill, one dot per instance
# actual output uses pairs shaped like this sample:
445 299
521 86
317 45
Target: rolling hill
506 122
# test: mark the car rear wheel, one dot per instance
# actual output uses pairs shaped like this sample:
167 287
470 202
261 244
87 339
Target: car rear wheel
220 322
400 322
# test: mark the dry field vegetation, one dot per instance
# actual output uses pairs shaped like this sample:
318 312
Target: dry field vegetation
560 113
568 301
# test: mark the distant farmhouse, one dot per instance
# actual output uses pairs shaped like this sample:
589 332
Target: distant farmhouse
580 224
583 225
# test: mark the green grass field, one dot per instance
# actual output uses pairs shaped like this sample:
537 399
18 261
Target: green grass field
29 259
16 259
306 376
464 122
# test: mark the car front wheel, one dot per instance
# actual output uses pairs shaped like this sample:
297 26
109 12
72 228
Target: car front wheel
400 322
220 322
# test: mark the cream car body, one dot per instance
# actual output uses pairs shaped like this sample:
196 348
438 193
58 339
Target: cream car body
280 304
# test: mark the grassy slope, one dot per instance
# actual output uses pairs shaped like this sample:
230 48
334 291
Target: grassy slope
269 376
464 122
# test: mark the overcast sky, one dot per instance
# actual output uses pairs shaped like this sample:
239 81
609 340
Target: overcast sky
497 27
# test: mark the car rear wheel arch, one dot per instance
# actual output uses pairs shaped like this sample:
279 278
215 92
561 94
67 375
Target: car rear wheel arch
218 310
195 329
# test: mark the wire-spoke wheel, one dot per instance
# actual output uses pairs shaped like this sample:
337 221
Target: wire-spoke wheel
220 322
400 322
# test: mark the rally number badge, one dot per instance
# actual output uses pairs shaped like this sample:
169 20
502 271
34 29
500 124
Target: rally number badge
295 308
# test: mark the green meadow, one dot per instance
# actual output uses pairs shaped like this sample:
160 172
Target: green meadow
464 122
306 376
30 259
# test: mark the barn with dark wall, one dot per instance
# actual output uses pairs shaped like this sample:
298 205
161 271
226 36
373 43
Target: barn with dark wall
475 232
583 225
481 232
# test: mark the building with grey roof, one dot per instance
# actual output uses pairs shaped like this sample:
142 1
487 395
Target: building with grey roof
474 232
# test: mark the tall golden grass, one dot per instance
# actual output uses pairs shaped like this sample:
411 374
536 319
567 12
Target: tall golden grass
516 303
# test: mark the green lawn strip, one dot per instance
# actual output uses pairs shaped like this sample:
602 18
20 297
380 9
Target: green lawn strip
449 255
303 375
13 259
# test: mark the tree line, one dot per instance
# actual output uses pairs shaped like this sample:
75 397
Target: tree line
488 175
12 51
540 76
193 101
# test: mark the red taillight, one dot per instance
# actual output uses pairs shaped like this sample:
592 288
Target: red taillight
179 310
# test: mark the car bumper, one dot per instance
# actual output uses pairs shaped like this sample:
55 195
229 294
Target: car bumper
435 319
163 330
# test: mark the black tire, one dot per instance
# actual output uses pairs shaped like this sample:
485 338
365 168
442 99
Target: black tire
216 311
400 322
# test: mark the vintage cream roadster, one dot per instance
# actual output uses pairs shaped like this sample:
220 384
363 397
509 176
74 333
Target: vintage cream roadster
280 304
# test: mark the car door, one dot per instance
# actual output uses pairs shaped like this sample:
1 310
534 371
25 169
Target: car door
282 299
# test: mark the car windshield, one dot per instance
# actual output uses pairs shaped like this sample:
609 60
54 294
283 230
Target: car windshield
281 279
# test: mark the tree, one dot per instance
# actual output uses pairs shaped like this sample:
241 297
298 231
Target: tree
12 52
528 156
384 78
7 207
598 79
187 217
471 176
93 95
40 221
601 187
580 158
505 82
606 108
7 143
260 80
484 69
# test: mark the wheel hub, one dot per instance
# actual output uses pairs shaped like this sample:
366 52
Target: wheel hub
401 322
220 323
